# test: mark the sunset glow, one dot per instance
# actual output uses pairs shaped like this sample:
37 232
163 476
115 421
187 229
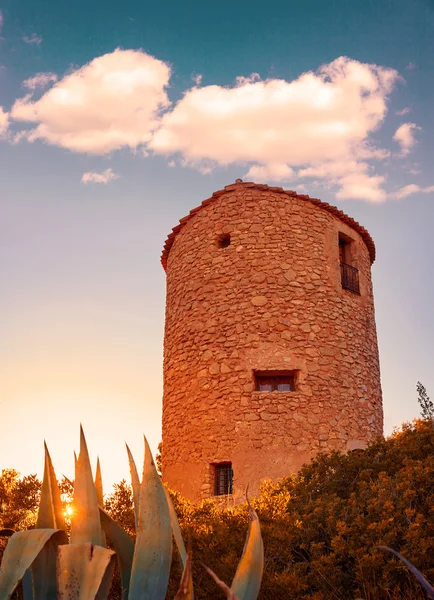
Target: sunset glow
117 120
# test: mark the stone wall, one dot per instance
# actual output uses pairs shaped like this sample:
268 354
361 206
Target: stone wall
271 300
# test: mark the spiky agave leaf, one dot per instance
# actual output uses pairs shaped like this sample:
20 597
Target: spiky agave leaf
247 580
153 549
41 582
85 524
185 591
421 579
50 512
176 530
27 583
98 483
124 548
20 553
135 484
85 572
227 590
100 495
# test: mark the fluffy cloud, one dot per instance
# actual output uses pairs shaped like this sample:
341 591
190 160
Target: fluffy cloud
404 135
32 39
110 103
412 188
4 122
320 121
104 177
271 172
40 80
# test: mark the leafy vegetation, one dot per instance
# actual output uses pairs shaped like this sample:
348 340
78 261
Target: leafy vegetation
321 527
426 405
48 566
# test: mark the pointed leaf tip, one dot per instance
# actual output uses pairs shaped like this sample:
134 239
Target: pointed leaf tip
247 580
85 525
153 549
135 484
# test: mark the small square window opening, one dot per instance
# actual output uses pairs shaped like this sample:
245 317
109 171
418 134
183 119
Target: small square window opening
224 240
223 478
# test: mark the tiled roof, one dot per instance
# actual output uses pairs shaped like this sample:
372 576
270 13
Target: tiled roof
278 190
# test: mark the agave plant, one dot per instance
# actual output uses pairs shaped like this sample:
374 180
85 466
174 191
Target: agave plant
51 568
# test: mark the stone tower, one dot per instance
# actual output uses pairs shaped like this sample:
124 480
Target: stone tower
270 348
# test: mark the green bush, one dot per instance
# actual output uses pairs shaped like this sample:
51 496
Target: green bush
320 527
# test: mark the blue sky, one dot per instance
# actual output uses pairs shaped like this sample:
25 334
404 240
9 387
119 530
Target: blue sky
118 118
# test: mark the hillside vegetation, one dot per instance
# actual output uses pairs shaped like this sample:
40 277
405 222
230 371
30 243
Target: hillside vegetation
320 526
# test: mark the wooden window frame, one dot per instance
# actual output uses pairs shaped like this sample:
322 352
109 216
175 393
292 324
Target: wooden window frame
275 378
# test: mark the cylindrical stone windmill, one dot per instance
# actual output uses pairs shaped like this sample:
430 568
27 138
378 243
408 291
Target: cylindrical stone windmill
270 348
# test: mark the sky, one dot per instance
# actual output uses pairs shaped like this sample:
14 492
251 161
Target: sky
118 118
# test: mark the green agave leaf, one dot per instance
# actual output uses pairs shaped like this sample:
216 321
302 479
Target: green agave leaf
176 530
135 483
85 524
124 548
185 591
100 495
85 572
21 551
27 582
50 516
153 549
98 483
247 580
50 513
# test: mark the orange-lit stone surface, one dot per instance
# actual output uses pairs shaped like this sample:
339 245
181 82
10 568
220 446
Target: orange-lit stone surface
271 300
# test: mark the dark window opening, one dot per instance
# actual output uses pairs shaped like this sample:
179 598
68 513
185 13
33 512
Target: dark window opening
349 273
223 478
278 381
224 240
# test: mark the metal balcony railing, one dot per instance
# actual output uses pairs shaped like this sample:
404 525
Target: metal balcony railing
350 278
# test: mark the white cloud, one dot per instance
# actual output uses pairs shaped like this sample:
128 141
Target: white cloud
109 103
404 135
1 19
271 172
320 120
32 39
403 112
197 78
104 177
4 122
40 80
412 188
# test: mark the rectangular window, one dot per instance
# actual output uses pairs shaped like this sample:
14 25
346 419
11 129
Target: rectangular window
224 476
277 381
349 273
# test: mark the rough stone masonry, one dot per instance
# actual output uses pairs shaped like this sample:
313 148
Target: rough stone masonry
255 290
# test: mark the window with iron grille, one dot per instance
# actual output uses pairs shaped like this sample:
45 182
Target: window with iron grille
275 381
349 273
223 478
